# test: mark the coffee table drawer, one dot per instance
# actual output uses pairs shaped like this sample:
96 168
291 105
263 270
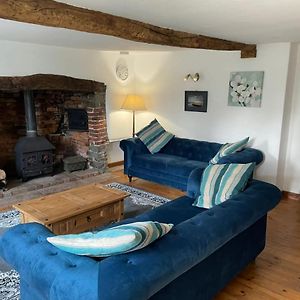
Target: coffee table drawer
91 219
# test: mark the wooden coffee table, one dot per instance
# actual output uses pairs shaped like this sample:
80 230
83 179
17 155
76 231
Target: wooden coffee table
75 210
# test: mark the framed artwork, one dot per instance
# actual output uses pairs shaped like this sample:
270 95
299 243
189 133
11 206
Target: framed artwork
245 89
196 101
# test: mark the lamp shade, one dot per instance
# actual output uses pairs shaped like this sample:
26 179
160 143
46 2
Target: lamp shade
133 102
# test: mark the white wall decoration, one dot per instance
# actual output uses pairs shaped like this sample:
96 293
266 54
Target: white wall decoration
245 89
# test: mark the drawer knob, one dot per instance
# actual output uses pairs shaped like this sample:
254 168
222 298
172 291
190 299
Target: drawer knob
89 219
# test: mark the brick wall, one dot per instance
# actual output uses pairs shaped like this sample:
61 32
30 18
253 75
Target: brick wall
50 107
98 135
12 126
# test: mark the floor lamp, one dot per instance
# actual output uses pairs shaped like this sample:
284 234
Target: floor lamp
134 103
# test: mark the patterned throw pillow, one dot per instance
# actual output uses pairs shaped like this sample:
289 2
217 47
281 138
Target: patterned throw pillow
112 241
154 136
221 182
229 148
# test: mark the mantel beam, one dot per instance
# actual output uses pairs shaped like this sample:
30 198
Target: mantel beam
38 82
56 14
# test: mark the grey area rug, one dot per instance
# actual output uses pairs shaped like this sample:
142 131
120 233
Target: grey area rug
137 203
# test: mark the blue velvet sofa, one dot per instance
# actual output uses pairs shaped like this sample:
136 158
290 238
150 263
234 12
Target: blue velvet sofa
179 162
200 255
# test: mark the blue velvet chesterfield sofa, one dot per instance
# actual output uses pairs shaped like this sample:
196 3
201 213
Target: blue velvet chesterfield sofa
179 162
195 260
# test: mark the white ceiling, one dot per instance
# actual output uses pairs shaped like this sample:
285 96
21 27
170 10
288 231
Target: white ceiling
250 21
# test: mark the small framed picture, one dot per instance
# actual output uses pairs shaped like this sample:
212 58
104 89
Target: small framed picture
196 101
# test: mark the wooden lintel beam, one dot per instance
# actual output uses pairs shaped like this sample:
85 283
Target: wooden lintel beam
249 51
50 82
56 14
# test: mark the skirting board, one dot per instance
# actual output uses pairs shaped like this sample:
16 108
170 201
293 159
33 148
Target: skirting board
291 196
115 164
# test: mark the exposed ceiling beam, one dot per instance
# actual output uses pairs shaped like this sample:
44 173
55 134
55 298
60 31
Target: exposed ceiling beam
56 14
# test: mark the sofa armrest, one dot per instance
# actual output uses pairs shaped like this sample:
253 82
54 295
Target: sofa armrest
131 147
194 181
141 274
54 274
245 156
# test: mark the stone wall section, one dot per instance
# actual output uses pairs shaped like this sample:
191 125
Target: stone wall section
98 139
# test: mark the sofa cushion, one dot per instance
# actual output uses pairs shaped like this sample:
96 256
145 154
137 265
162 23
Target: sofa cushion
191 149
112 241
178 182
229 148
221 182
168 164
185 167
156 161
154 136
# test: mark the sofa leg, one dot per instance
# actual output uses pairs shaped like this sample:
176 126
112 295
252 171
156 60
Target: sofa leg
3 185
130 178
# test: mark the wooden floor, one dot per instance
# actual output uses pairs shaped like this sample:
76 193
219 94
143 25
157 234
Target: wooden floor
276 272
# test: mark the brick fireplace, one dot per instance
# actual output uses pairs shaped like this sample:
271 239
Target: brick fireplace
54 96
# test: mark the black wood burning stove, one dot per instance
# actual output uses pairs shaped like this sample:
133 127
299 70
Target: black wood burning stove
34 154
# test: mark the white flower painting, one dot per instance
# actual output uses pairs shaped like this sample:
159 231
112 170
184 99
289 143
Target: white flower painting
245 89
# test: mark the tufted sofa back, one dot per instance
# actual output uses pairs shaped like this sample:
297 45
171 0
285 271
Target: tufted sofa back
191 149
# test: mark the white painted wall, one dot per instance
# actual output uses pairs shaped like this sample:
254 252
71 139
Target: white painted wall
159 79
158 76
289 172
23 59
17 59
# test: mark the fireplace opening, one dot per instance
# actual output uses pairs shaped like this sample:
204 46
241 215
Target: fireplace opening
77 119
49 118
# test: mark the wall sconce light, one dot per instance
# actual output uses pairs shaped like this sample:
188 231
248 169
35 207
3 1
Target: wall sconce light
195 77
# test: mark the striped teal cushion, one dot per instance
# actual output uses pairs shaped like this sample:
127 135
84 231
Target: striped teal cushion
229 148
154 136
112 241
221 182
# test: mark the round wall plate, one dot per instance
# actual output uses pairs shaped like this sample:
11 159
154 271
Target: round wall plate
122 72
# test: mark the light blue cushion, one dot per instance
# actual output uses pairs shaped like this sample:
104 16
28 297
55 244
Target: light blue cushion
112 241
221 182
229 148
154 136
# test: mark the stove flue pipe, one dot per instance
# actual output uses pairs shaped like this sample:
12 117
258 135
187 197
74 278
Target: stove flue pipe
31 128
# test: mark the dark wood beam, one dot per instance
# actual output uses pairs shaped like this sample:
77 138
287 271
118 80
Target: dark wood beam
50 82
56 14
